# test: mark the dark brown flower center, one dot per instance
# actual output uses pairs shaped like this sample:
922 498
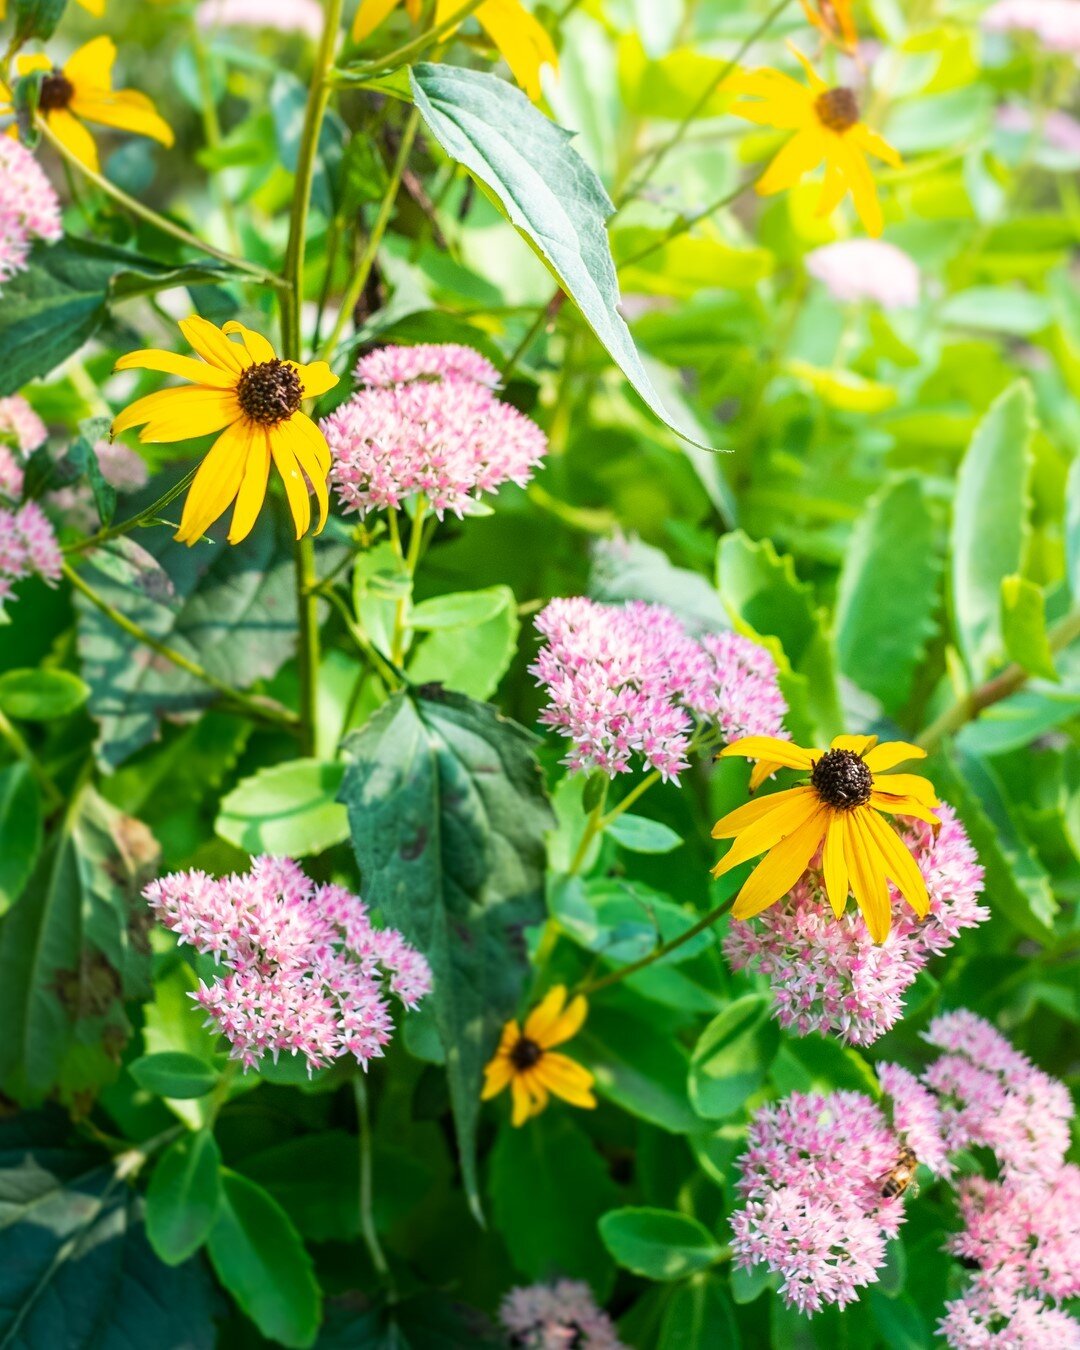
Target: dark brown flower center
837 109
842 779
270 392
57 91
525 1054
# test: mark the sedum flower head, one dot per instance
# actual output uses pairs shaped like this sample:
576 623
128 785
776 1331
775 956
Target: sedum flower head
1055 23
866 269
629 680
527 1063
29 208
558 1316
427 421
82 91
991 1316
21 432
242 390
286 16
828 974
304 969
27 547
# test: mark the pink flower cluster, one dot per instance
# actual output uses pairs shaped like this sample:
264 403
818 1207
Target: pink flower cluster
626 680
866 269
29 208
27 545
559 1316
305 966
22 430
993 1316
1056 23
426 421
829 975
287 16
1054 128
812 1182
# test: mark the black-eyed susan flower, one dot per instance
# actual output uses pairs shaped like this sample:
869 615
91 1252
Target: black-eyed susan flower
254 399
520 39
840 809
834 19
81 91
526 1062
826 127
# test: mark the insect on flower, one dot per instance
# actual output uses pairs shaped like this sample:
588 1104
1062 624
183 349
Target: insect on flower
902 1175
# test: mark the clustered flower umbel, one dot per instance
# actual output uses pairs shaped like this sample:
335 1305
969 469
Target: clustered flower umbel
426 421
29 208
27 547
286 16
828 974
305 968
558 1316
22 430
866 269
629 680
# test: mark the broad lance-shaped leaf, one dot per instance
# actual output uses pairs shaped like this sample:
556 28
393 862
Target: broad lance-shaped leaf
448 817
547 191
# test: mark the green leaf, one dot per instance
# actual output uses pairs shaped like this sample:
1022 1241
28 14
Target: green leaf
448 817
173 1073
638 1067
1072 529
547 191
658 1243
549 1187
1023 622
287 809
997 309
623 920
62 300
70 952
749 1285
36 19
83 457
20 830
471 658
732 1057
183 1197
990 525
41 695
699 1316
259 1258
463 609
815 1064
76 1268
888 593
639 834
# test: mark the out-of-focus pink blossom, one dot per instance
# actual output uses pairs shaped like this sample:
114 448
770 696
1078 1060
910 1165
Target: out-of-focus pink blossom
866 269
1056 129
287 16
828 974
27 545
12 479
121 467
991 1316
20 425
439 430
305 967
1056 23
626 680
814 1209
29 208
558 1316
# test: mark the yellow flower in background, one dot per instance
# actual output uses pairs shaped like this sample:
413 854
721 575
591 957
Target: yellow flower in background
244 391
95 7
521 39
834 19
82 92
826 126
525 1062
839 807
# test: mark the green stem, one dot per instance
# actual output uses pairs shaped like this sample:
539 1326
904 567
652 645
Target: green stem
412 560
148 214
972 705
367 1213
685 223
593 826
126 526
660 952
391 676
374 241
259 710
545 316
650 780
358 72
8 732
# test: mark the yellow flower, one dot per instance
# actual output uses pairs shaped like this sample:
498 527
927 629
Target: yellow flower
826 126
834 19
523 42
525 1061
253 399
839 806
82 91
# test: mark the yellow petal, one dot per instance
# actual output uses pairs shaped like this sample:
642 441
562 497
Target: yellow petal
834 865
793 810
775 875
566 1079
216 484
521 39
71 134
497 1076
30 65
873 144
744 816
901 868
858 745
303 426
802 154
546 1013
213 346
316 377
252 494
867 874
179 414
852 163
169 363
94 7
259 348
370 15
762 770
902 806
313 470
126 110
295 485
891 753
784 753
817 84
90 67
907 785
833 190
568 1023
522 1101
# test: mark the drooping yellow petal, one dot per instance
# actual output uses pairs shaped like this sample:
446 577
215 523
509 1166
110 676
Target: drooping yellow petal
546 1013
834 864
213 346
901 868
907 785
833 190
169 363
566 1079
762 770
902 806
303 426
126 110
308 461
522 41
71 134
568 1023
778 872
259 348
179 414
497 1076
371 15
316 377
523 1102
789 812
867 871
784 753
861 182
89 69
872 144
890 753
296 490
216 484
800 156
252 494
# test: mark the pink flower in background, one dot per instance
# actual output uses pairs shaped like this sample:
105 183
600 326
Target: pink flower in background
866 269
1056 23
20 424
993 1097
27 545
812 1182
829 975
1058 129
121 467
306 969
287 16
29 208
992 1317
11 475
439 431
558 1316
626 680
